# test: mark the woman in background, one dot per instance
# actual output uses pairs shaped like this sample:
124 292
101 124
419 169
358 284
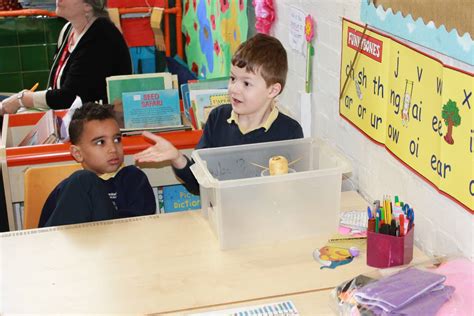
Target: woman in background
90 48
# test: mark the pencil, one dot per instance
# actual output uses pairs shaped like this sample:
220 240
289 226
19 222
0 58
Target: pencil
34 87
359 48
344 238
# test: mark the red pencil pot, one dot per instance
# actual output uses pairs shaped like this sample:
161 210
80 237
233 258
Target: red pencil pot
385 251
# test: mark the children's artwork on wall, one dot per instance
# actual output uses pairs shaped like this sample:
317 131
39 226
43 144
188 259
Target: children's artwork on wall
264 15
296 29
213 30
447 34
309 34
421 110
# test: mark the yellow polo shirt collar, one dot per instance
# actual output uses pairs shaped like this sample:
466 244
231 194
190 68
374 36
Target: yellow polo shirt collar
107 176
234 117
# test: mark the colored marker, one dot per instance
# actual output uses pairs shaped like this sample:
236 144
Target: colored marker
376 205
371 225
402 224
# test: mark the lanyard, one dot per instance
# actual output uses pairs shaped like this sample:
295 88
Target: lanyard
64 56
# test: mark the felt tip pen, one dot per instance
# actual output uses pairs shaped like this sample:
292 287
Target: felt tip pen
385 229
371 224
411 218
378 217
376 205
393 227
405 208
402 224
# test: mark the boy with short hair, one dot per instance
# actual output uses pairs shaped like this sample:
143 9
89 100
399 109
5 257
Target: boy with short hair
103 189
258 75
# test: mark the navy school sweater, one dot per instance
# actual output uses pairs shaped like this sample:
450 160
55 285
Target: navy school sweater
129 190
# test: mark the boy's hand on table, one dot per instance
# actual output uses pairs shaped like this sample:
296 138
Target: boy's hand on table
162 150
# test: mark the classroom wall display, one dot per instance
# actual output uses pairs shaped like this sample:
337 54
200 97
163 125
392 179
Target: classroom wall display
264 15
213 30
453 14
421 110
451 33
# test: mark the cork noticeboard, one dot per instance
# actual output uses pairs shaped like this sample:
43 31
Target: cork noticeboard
453 14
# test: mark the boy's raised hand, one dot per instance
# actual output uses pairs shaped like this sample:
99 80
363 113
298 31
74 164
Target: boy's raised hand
162 150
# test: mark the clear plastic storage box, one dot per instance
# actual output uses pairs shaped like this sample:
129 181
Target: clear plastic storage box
246 206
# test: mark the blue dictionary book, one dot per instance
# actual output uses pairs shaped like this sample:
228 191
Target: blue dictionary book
151 109
176 198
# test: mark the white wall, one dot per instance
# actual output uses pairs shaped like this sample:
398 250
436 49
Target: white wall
442 226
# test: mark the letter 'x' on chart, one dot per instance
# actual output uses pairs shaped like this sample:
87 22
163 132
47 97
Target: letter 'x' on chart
466 98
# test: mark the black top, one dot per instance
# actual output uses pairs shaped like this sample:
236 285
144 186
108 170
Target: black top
100 53
219 133
129 190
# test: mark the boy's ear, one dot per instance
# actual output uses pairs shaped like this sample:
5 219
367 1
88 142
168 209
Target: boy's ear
275 90
76 153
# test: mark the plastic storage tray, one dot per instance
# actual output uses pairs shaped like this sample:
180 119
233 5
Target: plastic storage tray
245 207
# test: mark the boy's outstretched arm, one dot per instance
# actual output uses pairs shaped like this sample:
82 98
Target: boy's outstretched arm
162 150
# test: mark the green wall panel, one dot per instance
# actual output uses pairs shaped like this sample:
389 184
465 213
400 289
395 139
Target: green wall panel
8 36
9 59
30 78
30 31
34 57
11 82
27 48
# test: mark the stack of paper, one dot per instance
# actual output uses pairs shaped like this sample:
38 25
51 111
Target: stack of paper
46 131
354 219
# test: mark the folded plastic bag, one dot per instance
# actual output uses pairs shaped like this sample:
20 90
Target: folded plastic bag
399 289
459 278
428 304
